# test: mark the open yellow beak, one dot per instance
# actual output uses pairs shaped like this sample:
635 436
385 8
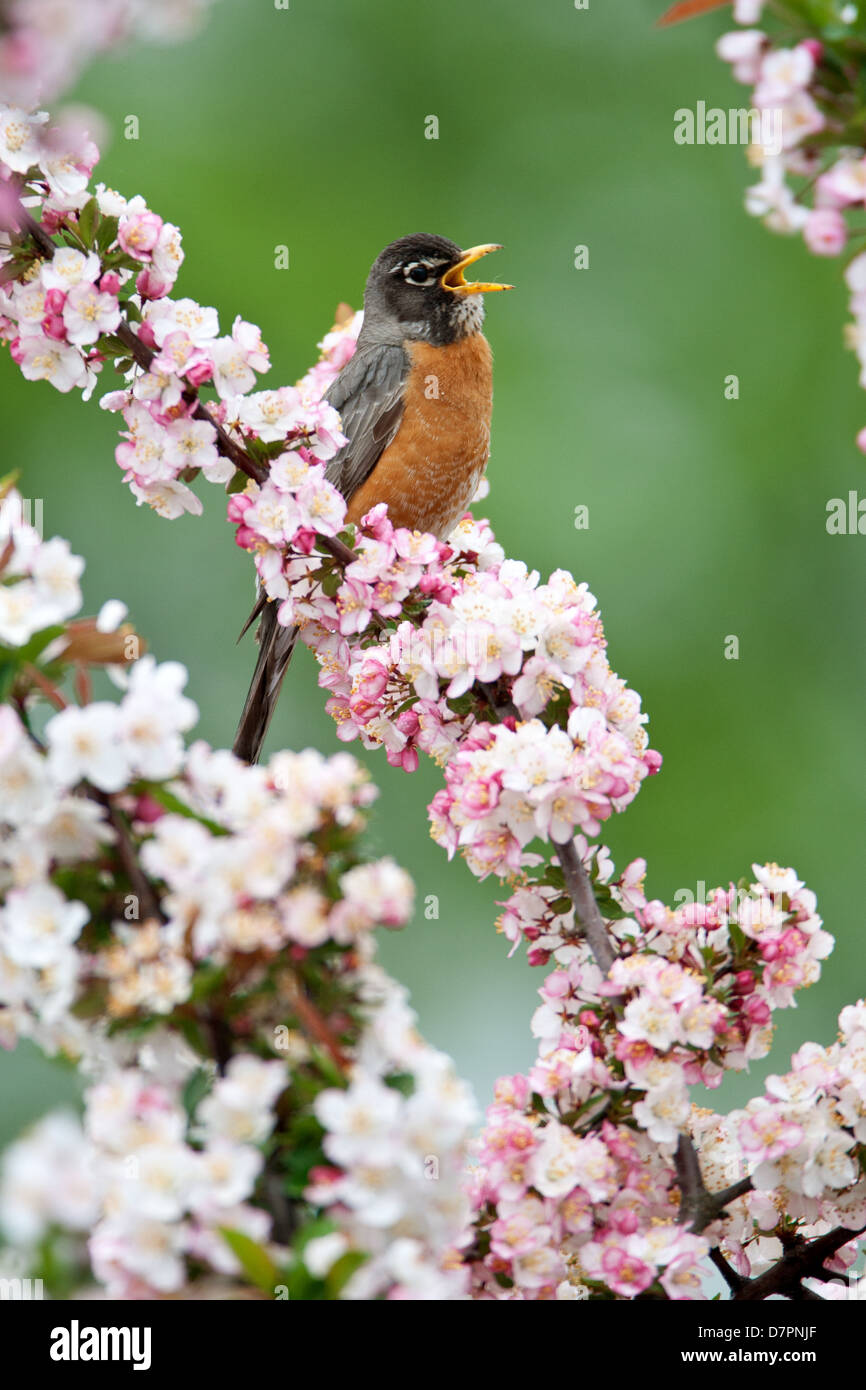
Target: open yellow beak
454 279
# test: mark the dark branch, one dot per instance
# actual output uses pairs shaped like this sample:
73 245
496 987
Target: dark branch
733 1280
698 1207
804 1260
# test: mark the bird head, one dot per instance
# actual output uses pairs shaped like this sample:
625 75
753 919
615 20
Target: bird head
417 289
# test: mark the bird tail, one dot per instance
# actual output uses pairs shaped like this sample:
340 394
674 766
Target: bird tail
276 645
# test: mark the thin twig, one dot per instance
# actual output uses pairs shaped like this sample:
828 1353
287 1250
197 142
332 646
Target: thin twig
227 446
733 1280
315 1025
586 912
48 688
144 891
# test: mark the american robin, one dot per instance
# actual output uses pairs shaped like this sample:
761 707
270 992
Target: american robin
415 402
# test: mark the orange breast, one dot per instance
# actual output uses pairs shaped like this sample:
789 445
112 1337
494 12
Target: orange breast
430 471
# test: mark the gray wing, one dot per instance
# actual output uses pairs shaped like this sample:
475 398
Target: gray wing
369 396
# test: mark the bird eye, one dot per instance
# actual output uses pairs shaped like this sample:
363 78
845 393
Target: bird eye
418 273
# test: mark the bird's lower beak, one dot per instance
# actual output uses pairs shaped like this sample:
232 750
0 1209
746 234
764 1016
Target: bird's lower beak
454 280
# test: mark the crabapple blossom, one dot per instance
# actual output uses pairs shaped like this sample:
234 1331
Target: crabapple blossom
226 866
44 590
818 177
44 46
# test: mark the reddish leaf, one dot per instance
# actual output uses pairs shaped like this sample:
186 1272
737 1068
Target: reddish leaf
687 9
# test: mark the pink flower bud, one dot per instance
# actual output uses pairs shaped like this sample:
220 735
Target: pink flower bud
376 523
624 1220
246 538
757 1011
151 285
52 220
825 232
54 327
139 233
437 587
304 540
407 722
110 282
54 302
744 982
557 986
199 371
815 47
148 810
145 333
16 351
408 759
537 956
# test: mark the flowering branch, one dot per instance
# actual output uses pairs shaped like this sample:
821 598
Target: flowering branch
246 944
807 134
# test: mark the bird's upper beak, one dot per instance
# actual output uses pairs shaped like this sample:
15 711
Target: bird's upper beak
454 280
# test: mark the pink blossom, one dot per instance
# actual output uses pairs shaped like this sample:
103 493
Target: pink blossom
138 234
767 1135
625 1273
825 232
88 312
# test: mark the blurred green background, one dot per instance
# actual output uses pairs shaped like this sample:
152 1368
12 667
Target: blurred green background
707 516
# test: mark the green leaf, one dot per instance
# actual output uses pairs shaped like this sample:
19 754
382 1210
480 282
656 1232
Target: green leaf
295 1169
8 481
8 672
106 233
206 980
609 907
173 803
562 905
196 1089
37 644
255 1261
88 219
402 1081
237 482
553 876
737 936
342 1270
111 346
